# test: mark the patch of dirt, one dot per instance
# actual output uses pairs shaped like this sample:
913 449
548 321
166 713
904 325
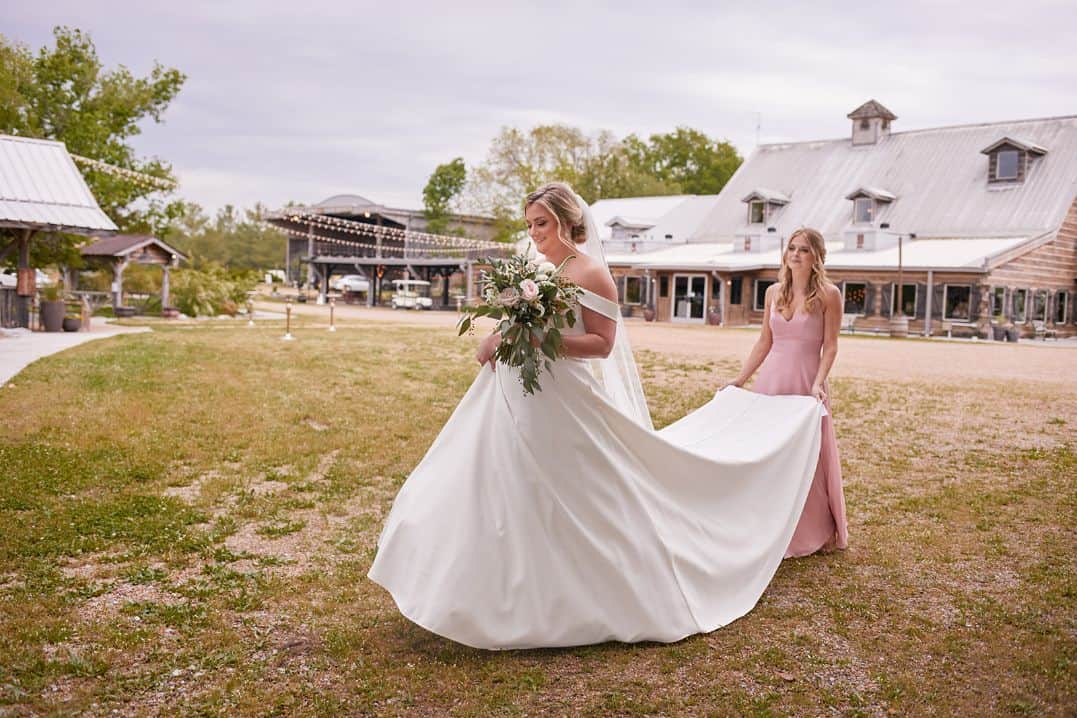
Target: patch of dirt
192 491
120 594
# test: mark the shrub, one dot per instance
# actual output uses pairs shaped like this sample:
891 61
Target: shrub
210 291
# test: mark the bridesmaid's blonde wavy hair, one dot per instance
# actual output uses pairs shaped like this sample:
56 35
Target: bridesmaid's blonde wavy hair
816 281
560 199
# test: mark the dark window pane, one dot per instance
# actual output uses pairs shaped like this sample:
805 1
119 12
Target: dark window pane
663 286
998 296
1007 164
1020 296
761 293
756 213
1061 300
633 290
1039 306
735 290
855 297
908 300
957 302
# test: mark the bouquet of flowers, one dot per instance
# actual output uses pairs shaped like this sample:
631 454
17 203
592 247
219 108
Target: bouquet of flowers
531 302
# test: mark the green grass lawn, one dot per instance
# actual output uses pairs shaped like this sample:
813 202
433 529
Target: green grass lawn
188 516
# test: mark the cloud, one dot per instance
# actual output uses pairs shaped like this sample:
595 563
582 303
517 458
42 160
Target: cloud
369 97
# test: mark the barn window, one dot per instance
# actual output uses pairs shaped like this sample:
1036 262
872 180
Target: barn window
1007 164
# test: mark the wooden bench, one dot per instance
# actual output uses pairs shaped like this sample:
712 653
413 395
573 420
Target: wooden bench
949 324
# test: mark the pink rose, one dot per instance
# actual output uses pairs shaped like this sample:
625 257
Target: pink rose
528 290
509 296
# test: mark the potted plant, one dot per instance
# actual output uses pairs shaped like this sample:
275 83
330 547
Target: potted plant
648 313
72 323
998 327
52 308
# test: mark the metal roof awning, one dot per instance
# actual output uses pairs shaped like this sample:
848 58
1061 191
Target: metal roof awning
41 189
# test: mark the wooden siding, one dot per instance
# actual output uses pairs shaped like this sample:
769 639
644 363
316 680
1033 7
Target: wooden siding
1051 267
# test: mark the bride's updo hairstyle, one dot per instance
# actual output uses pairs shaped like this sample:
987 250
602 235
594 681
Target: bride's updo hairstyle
560 200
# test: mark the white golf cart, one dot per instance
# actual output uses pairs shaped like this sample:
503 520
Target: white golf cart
411 294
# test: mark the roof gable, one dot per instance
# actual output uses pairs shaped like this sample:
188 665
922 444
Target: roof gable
871 109
1017 144
122 245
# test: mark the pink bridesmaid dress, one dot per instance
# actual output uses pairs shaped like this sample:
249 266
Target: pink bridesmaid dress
790 368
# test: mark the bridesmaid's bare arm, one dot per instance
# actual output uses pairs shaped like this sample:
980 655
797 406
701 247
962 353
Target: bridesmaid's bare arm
831 325
762 345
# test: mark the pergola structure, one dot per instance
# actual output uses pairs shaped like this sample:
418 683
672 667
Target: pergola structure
41 191
125 249
374 245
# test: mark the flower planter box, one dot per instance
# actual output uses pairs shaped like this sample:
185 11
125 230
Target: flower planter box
123 312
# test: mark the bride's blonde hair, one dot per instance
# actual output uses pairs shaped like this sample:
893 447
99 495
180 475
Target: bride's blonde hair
560 200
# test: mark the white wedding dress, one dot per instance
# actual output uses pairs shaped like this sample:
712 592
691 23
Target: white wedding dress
557 520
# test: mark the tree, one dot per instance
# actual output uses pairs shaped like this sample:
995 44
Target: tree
685 158
63 93
232 238
684 161
444 186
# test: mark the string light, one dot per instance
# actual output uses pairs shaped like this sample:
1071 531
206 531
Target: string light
362 228
430 244
139 178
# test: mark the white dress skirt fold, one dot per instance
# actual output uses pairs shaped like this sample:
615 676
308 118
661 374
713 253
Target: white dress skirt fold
555 520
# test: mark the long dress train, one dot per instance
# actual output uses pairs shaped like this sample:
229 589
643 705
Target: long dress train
555 520
790 368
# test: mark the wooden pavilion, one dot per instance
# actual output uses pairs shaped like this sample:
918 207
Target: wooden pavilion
122 250
351 234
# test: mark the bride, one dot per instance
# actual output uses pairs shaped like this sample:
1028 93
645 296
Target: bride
562 518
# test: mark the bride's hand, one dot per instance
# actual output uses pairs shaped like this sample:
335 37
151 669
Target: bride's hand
738 382
485 352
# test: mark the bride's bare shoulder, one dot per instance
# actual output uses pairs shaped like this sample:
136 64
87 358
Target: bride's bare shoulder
594 277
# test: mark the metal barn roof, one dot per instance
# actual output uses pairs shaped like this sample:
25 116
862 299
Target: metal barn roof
938 176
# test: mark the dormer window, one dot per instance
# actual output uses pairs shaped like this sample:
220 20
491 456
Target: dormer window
867 203
1009 159
757 212
1006 167
863 210
763 204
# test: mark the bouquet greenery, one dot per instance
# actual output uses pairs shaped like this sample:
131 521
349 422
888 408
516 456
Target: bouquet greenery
531 303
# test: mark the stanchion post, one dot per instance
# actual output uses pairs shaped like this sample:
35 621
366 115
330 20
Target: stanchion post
287 322
332 306
250 314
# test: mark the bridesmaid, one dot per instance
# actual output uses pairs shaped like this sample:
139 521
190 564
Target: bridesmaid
797 348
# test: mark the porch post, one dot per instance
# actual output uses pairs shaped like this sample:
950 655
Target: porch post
164 287
23 301
118 265
927 305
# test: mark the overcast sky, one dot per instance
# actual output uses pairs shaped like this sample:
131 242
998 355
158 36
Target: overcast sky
302 100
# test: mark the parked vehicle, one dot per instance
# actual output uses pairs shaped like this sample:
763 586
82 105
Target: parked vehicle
351 283
411 294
